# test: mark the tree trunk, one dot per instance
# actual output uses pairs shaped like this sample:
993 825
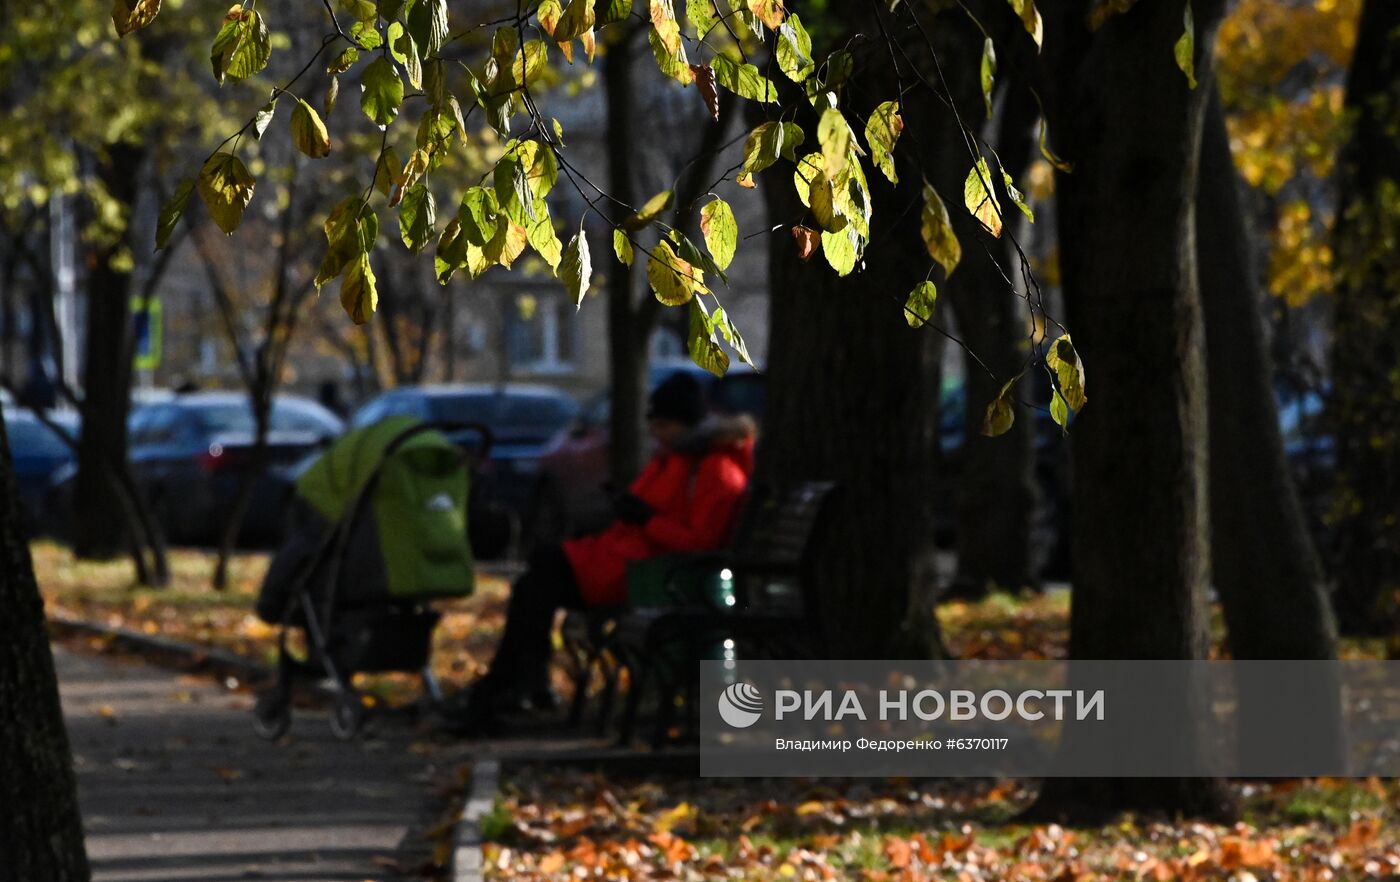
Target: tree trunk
1366 409
1122 112
41 830
1265 568
100 526
627 354
849 391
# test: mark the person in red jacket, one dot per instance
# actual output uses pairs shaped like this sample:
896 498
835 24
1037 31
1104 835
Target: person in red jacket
685 500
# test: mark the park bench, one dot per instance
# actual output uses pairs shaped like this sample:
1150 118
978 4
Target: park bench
749 600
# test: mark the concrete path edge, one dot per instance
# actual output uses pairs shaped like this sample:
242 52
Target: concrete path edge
468 860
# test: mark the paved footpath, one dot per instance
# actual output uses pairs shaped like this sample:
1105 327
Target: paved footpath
175 786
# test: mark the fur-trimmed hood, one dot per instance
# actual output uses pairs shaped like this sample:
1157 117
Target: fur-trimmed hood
733 436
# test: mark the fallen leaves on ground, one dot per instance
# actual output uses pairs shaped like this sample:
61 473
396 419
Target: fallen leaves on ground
580 825
190 610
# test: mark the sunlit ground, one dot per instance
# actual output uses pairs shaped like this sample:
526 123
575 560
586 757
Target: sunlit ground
569 824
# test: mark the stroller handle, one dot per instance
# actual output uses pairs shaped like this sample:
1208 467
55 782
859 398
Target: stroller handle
486 439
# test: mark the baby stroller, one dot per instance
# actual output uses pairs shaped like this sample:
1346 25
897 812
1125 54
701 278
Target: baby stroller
379 530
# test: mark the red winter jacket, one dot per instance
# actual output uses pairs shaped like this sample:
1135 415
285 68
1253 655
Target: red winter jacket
694 492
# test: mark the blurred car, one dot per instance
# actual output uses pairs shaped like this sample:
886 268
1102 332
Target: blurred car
571 494
522 418
38 453
190 452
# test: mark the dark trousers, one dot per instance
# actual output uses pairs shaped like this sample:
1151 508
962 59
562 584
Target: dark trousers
522 658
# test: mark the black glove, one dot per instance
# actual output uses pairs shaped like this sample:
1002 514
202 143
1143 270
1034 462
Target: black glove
632 510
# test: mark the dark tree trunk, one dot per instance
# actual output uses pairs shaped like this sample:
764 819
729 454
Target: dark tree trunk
1123 113
627 344
41 830
1265 568
849 393
100 525
1365 350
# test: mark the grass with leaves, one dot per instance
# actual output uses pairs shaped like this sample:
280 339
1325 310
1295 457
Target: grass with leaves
560 825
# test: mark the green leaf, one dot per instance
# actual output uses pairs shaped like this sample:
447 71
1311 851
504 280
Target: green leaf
366 34
226 188
451 252
702 344
1059 410
242 46
721 231
918 308
770 12
132 15
702 15
821 198
795 50
1030 19
622 247
1186 47
404 50
576 267
263 119
417 217
543 238
673 64
743 80
309 132
387 173
615 11
881 132
332 92
989 72
171 212
691 254
1001 413
841 250
1016 196
507 245
427 21
1063 361
770 142
576 20
649 212
980 200
939 238
383 92
351 229
720 322
479 215
835 137
344 61
673 280
358 293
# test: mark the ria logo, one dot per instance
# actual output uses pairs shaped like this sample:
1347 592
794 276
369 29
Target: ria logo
740 705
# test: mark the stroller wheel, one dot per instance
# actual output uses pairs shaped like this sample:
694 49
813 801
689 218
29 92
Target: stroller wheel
272 715
347 715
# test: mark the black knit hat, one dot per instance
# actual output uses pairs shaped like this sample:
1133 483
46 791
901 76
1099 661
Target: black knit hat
680 398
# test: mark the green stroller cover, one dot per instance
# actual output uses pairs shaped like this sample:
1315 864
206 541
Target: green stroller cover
417 509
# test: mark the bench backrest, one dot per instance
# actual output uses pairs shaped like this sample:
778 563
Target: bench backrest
777 536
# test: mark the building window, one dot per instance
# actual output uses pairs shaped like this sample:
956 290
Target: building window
541 334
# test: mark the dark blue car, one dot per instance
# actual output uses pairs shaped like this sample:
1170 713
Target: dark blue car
39 453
